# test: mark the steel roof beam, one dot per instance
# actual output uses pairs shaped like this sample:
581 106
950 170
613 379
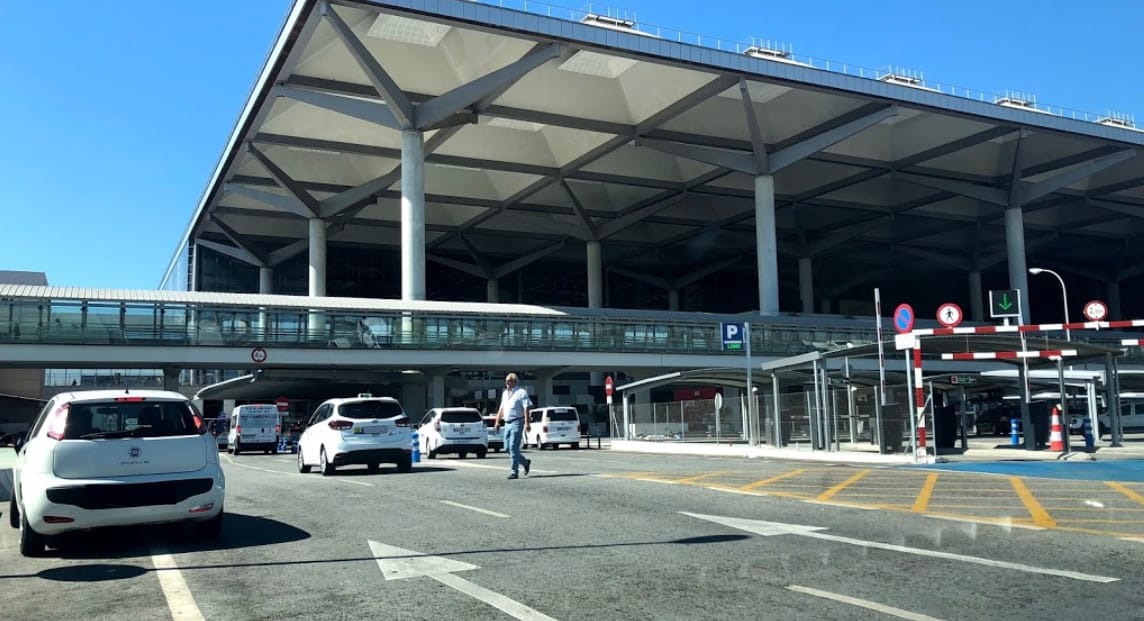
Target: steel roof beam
578 208
284 203
1033 191
995 196
863 277
284 181
240 253
255 257
935 257
374 112
737 162
461 266
524 261
1135 211
758 144
287 252
383 84
870 115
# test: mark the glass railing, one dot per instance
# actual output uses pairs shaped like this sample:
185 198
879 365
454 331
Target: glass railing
76 322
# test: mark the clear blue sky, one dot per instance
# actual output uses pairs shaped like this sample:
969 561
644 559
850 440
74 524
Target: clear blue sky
115 112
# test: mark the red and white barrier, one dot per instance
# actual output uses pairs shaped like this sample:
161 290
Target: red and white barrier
1010 355
1036 327
919 397
1136 342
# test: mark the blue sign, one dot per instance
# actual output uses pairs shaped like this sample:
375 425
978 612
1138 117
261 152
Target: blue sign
904 318
732 336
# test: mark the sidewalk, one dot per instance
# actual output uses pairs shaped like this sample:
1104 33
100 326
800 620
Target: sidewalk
865 453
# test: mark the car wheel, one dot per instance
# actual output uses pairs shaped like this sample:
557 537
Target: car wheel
373 467
13 513
405 464
575 445
482 454
463 455
327 467
432 452
209 529
237 447
302 467
31 542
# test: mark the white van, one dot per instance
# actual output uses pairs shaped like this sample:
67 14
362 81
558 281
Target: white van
254 428
552 426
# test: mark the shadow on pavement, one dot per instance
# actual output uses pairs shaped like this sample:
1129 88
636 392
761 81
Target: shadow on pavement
364 472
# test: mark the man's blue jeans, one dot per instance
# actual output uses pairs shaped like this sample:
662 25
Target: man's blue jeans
513 434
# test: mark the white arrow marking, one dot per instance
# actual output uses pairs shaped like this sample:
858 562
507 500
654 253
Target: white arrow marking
770 529
399 563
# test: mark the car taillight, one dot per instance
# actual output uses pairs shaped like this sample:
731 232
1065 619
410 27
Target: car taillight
339 425
277 428
128 399
402 422
56 422
238 429
437 425
199 425
544 429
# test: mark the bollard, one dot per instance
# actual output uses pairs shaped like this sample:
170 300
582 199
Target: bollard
1089 440
416 448
281 444
1014 435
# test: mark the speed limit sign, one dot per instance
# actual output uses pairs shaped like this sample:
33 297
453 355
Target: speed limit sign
1096 310
258 355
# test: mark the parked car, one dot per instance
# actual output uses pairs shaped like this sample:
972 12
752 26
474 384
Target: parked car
115 458
496 434
554 425
457 431
361 430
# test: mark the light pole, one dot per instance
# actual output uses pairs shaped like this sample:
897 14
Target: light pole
1064 294
1061 361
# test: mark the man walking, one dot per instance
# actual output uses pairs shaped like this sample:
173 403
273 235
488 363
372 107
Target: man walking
513 414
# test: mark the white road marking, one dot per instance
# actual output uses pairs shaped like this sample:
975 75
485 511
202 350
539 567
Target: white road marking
399 564
175 590
296 474
769 529
862 603
477 509
467 464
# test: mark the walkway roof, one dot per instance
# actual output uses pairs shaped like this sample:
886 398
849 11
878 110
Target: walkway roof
543 129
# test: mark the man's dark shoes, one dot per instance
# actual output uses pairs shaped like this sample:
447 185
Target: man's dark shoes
527 466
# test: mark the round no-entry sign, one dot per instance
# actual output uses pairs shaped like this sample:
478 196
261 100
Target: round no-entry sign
1096 310
283 404
949 315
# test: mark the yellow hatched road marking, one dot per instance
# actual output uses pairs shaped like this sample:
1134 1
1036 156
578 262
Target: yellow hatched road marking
701 477
830 493
923 498
786 475
1036 511
1126 491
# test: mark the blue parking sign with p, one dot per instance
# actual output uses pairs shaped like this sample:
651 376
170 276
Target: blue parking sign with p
732 336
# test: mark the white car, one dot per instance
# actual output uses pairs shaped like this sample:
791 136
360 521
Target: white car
552 426
457 431
115 458
496 434
363 430
254 427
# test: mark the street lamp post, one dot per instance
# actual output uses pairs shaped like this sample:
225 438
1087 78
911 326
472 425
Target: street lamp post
1061 361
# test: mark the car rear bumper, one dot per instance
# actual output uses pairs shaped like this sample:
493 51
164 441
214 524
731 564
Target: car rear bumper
261 445
459 447
372 456
100 503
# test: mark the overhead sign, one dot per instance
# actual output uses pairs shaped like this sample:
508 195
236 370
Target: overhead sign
608 387
1096 310
258 355
949 315
1005 303
732 336
962 379
904 318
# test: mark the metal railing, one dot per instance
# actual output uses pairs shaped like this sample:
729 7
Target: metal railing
788 56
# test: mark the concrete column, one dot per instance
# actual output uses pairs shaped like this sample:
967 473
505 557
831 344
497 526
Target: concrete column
265 280
546 391
766 245
806 284
414 398
171 379
595 275
437 391
1015 246
492 289
976 305
824 306
412 215
1114 311
316 321
673 299
228 407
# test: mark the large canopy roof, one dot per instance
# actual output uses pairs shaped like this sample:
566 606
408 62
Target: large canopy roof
545 130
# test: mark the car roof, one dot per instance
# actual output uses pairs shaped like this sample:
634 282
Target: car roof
455 409
344 400
102 395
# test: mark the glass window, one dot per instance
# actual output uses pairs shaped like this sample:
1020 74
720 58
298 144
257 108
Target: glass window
370 409
563 415
461 416
106 419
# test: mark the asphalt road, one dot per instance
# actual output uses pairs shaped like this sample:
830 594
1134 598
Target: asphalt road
589 535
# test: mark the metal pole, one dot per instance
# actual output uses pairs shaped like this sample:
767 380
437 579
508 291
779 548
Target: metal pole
751 420
850 402
778 418
933 414
834 412
816 416
881 352
627 416
1064 401
908 404
823 395
1093 410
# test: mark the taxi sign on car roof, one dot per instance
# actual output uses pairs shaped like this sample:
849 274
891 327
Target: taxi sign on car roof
364 395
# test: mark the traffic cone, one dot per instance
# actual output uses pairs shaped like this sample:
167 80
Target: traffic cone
1056 440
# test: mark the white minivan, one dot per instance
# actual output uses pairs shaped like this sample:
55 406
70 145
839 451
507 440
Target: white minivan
254 428
553 426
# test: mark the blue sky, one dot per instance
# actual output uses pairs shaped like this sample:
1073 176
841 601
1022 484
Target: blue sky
115 113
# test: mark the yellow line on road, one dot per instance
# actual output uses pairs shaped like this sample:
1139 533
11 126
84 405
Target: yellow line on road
830 493
1127 492
922 501
1036 511
785 475
696 479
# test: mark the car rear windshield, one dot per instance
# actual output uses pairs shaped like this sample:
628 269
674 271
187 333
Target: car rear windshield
370 409
490 422
136 418
562 415
460 416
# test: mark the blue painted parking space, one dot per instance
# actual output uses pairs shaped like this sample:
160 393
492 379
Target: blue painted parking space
1129 471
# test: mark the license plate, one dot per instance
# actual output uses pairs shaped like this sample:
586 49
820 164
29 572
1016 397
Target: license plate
373 431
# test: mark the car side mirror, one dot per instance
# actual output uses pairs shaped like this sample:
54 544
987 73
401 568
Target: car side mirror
20 440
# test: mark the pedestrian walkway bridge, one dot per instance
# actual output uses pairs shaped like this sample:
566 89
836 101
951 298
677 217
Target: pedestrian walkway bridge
41 326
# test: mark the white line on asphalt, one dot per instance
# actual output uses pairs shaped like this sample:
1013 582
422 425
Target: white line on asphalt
492 598
983 521
1133 539
869 605
477 509
294 474
175 590
466 464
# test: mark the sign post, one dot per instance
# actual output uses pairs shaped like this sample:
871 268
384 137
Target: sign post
737 336
718 407
608 387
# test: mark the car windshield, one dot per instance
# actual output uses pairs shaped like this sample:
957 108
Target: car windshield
106 419
490 422
370 409
460 416
562 415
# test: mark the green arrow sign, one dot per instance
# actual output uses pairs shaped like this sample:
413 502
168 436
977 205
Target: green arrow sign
1005 303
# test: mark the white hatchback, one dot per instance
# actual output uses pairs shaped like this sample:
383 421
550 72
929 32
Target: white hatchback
115 458
458 431
363 430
